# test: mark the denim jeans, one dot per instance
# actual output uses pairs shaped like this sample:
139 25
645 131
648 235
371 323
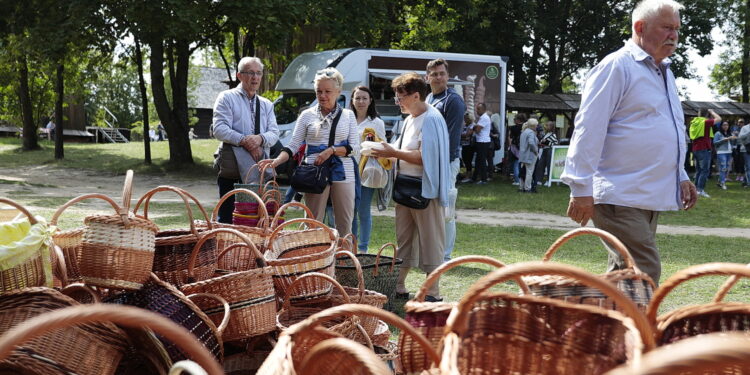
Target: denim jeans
363 219
516 170
747 166
723 160
702 164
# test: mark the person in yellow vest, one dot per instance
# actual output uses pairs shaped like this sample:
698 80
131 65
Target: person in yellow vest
702 134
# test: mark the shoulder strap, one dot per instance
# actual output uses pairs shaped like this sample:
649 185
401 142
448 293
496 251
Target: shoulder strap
332 134
257 114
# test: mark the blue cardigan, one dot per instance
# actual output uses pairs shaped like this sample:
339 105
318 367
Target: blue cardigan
436 177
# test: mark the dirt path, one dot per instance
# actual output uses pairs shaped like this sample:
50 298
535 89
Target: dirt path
47 181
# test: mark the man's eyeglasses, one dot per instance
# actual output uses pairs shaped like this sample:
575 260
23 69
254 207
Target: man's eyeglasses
252 73
398 99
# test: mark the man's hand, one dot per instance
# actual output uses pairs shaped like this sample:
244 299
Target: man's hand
581 209
251 142
387 151
689 194
257 153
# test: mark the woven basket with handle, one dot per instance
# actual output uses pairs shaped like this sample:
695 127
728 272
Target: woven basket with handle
174 247
297 341
715 316
25 258
380 272
500 333
250 293
342 356
631 281
81 316
292 253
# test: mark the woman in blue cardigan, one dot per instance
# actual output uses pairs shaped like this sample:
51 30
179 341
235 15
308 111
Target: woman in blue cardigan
421 151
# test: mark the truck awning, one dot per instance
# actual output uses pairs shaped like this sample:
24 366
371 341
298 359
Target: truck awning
391 75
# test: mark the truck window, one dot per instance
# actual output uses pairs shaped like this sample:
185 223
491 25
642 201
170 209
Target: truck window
288 106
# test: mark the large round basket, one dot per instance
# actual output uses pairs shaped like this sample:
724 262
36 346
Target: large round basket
500 333
631 281
342 356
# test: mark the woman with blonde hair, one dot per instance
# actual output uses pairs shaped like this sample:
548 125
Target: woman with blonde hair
527 153
314 127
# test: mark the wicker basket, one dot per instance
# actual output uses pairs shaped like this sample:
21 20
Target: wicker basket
250 293
235 259
359 294
500 333
26 258
342 356
117 250
297 341
631 281
174 248
278 218
689 321
429 318
92 355
293 313
710 354
380 272
295 252
70 241
165 299
94 349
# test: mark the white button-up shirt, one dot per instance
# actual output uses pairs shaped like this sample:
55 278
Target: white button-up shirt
629 145
234 118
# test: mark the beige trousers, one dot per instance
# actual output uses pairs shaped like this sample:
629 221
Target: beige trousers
342 198
421 240
636 228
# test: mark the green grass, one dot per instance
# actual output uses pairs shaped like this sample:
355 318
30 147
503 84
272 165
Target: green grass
725 209
110 157
507 244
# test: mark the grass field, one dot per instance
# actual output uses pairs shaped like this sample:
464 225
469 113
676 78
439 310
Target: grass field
508 244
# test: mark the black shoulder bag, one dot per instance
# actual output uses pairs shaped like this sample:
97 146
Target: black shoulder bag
310 178
407 190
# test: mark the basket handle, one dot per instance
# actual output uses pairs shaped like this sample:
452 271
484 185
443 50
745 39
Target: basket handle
260 174
211 233
435 275
146 198
726 287
358 309
377 258
127 316
270 186
708 269
215 212
604 235
119 210
348 243
367 361
273 194
458 320
311 275
225 320
360 276
280 212
197 203
230 247
186 366
21 208
80 287
59 260
127 190
278 229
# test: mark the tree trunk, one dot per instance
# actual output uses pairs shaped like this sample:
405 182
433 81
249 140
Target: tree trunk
144 101
30 138
60 95
745 76
179 142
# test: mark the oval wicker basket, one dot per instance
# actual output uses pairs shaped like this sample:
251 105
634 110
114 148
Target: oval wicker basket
29 266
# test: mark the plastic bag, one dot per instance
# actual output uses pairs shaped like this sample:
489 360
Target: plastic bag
374 175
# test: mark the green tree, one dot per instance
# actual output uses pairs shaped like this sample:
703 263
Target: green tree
731 76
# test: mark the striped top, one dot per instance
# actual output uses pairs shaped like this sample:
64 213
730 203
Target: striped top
313 128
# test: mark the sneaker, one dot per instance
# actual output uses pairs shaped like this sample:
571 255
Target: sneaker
465 180
516 184
704 194
723 186
481 182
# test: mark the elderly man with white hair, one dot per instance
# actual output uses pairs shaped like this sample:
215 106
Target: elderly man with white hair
626 158
245 123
